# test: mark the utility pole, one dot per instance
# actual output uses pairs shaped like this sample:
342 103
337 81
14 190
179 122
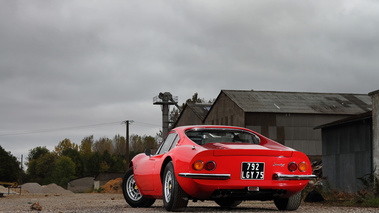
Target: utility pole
127 122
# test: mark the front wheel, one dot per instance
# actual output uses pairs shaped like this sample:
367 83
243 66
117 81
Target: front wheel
288 204
131 193
174 198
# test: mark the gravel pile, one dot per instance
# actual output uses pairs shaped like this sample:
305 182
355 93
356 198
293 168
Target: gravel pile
113 186
3 189
54 189
35 188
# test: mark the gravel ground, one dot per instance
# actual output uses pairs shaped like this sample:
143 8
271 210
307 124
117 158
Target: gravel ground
92 202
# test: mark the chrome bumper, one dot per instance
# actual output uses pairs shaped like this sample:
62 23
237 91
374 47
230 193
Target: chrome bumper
205 176
227 176
293 177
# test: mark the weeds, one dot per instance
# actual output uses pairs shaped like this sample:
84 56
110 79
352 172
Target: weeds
99 190
367 196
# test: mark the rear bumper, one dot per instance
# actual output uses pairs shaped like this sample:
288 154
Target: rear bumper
205 176
293 177
227 176
223 185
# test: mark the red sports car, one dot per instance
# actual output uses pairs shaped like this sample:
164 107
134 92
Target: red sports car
221 163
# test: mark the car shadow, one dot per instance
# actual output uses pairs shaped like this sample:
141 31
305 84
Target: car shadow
209 206
219 209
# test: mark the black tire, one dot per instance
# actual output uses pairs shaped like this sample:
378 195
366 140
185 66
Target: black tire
174 198
131 193
288 204
228 203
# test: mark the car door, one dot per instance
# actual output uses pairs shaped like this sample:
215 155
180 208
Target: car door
147 172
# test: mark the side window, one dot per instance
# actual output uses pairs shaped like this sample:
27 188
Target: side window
166 144
175 142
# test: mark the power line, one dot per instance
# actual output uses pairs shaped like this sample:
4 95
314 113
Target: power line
145 124
59 129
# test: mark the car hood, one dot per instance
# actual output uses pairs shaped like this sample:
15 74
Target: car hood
243 149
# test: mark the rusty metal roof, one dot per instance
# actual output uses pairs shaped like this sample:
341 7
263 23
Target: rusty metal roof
300 102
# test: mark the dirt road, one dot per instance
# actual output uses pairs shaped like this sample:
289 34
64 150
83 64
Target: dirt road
116 203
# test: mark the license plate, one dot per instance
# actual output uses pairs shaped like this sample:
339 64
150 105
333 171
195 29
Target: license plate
252 171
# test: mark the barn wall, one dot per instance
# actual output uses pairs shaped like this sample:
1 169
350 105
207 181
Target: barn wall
225 112
188 117
293 130
347 154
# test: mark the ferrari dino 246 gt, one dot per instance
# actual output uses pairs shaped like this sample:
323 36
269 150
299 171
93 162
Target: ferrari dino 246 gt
221 163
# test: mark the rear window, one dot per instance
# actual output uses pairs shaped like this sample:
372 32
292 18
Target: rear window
204 136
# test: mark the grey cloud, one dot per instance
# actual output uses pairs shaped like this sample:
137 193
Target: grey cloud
69 63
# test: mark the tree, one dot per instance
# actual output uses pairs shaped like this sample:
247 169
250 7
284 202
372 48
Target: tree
40 169
76 158
64 145
119 145
37 152
93 167
85 151
139 144
118 164
35 161
86 147
102 145
64 170
149 142
195 99
136 144
9 167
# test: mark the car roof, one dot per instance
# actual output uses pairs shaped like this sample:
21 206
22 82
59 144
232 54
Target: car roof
185 128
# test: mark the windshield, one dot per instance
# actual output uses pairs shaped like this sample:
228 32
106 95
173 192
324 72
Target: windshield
204 136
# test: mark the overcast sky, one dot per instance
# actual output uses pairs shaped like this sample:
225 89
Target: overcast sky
67 66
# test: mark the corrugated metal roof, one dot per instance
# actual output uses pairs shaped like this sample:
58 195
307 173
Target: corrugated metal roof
300 102
353 118
200 109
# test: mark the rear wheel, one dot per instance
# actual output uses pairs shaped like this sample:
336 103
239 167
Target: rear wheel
228 203
288 204
131 193
174 198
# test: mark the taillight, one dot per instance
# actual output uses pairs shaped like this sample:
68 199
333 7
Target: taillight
210 165
303 167
292 166
198 165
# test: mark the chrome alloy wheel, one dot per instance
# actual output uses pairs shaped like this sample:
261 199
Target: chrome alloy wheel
132 189
168 186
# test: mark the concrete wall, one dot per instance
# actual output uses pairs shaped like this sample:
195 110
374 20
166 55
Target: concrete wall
81 184
375 126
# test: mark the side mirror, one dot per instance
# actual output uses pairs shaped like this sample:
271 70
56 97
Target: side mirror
148 152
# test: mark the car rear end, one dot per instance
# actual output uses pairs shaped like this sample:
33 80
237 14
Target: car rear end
216 175
246 171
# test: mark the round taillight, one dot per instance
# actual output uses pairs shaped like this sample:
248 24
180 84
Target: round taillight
303 167
292 166
210 165
198 165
